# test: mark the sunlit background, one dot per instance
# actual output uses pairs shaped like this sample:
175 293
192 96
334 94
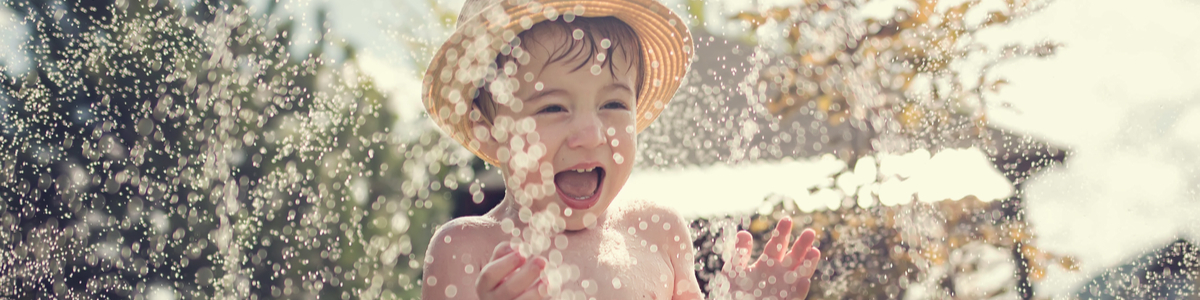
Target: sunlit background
988 149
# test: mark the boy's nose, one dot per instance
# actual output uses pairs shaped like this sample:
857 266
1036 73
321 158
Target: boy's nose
586 133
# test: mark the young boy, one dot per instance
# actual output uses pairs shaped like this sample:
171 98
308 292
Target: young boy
558 92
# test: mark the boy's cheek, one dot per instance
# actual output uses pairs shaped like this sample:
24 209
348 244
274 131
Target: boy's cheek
624 147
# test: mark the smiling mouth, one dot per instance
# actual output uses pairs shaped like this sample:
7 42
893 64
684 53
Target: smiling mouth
579 185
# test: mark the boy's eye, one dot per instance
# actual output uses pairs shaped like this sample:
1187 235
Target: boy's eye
615 105
552 109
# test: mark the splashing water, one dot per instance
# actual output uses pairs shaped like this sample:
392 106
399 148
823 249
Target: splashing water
172 150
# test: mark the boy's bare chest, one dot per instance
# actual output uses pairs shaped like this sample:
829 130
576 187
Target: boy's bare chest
613 265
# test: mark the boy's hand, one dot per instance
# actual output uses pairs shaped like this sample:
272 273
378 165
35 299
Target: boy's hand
508 275
780 272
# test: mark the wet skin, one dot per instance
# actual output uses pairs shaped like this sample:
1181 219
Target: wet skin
610 250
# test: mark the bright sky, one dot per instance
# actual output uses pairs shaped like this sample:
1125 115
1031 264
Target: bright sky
1123 95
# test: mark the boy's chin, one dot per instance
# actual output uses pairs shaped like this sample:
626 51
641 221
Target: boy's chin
577 224
585 218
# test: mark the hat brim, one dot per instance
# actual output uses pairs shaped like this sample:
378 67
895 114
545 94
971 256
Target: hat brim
457 69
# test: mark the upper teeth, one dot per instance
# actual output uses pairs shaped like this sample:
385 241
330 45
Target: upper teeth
585 170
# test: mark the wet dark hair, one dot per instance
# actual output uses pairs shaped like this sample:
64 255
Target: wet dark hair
620 35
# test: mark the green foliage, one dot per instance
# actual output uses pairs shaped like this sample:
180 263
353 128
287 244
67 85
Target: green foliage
153 149
913 75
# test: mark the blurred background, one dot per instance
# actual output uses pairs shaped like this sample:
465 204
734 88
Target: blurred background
980 149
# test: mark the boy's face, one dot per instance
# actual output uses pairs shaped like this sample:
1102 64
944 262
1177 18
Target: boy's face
585 118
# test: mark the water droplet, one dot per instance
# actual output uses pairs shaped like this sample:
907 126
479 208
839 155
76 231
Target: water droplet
506 225
589 286
618 158
560 242
615 143
616 283
596 69
577 34
538 86
555 257
431 281
589 219
605 43
525 214
451 291
526 22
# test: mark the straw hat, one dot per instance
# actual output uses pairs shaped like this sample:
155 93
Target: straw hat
487 27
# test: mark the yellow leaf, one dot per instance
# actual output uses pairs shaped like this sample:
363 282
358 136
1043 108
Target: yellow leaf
911 116
794 33
807 59
1069 263
1036 273
995 86
780 13
957 12
837 118
759 225
755 20
996 18
925 8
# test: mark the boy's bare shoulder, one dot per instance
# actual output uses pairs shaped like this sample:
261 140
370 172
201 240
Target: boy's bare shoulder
470 224
466 234
457 249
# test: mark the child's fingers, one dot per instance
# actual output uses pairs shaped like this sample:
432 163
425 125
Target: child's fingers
801 288
500 250
800 249
809 265
741 251
494 272
521 280
533 292
775 247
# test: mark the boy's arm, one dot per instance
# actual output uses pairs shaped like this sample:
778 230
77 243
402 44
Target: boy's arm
457 267
444 275
678 244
